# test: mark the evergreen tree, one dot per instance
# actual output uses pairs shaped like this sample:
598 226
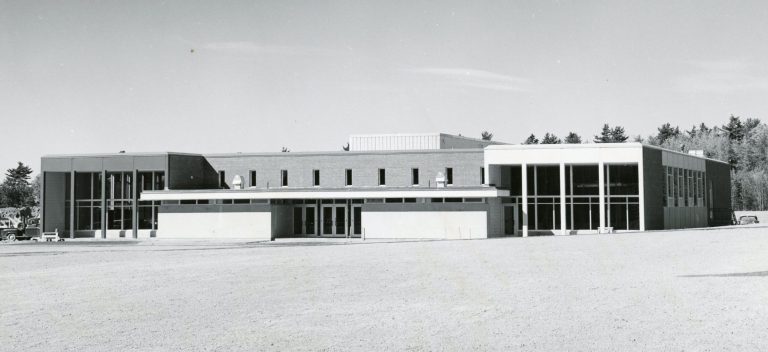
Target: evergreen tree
15 191
572 138
734 129
618 135
604 136
550 139
531 139
666 132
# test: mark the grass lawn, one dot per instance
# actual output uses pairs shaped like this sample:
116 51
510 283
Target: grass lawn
678 290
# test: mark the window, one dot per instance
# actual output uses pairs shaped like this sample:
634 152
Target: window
348 178
316 177
382 177
252 179
449 176
415 176
482 175
284 178
222 179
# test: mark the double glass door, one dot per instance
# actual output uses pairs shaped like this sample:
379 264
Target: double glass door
334 220
304 220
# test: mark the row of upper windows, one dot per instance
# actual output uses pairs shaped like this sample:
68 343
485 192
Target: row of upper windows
684 188
382 177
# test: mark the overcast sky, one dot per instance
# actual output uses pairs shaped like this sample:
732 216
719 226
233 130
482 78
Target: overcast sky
215 76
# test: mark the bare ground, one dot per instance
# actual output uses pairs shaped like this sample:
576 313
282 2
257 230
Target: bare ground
678 290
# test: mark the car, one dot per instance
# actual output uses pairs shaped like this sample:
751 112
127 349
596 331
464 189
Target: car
748 219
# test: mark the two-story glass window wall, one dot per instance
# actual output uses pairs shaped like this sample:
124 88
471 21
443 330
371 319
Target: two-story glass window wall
87 201
622 197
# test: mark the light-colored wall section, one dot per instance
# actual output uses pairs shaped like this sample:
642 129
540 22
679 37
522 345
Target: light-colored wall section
425 224
240 225
412 141
563 153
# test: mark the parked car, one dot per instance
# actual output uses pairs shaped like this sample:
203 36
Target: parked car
748 219
15 228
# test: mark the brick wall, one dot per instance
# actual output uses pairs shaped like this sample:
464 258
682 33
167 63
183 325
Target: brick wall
466 166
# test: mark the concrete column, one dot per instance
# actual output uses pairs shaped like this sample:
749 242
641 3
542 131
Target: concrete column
72 204
135 205
524 188
601 191
104 204
562 200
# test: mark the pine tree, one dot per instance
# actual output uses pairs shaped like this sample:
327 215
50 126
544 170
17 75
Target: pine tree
531 140
550 139
15 191
618 135
605 135
734 129
572 138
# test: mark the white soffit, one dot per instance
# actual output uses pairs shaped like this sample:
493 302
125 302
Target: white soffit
298 194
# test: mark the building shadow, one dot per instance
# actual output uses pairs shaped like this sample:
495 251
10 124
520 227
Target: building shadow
750 274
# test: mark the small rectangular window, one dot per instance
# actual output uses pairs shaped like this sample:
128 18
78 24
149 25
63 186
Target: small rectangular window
348 177
222 179
284 178
449 175
482 175
382 177
415 176
252 179
316 177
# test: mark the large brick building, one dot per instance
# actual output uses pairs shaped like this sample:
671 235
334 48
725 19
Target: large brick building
386 186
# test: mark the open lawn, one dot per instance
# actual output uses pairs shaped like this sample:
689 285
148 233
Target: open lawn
677 290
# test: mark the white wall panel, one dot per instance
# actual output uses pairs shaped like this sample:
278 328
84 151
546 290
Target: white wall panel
425 224
246 225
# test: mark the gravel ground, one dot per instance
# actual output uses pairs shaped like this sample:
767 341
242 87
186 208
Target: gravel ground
677 290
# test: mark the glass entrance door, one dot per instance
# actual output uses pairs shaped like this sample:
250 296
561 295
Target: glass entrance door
304 220
334 219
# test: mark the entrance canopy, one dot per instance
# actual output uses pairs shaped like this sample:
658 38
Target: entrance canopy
327 193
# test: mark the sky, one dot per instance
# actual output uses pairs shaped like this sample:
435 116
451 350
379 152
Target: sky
254 76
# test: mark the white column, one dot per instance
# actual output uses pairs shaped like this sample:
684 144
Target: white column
601 191
524 188
103 212
562 199
72 205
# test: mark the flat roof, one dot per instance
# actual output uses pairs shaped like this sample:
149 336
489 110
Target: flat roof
594 146
108 155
